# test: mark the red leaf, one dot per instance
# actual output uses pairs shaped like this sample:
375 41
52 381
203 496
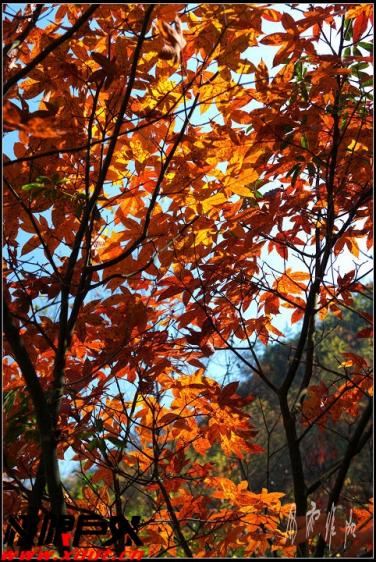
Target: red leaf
207 349
105 63
228 391
360 26
297 315
282 251
272 305
365 333
271 15
288 22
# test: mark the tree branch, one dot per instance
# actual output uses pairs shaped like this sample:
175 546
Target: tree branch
49 49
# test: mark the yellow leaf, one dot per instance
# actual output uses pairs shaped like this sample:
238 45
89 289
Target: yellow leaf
298 275
216 199
242 190
347 363
352 245
357 146
203 236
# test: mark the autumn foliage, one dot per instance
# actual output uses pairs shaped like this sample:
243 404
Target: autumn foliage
169 196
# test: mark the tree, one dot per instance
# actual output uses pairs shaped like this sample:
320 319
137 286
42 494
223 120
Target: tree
328 440
167 199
